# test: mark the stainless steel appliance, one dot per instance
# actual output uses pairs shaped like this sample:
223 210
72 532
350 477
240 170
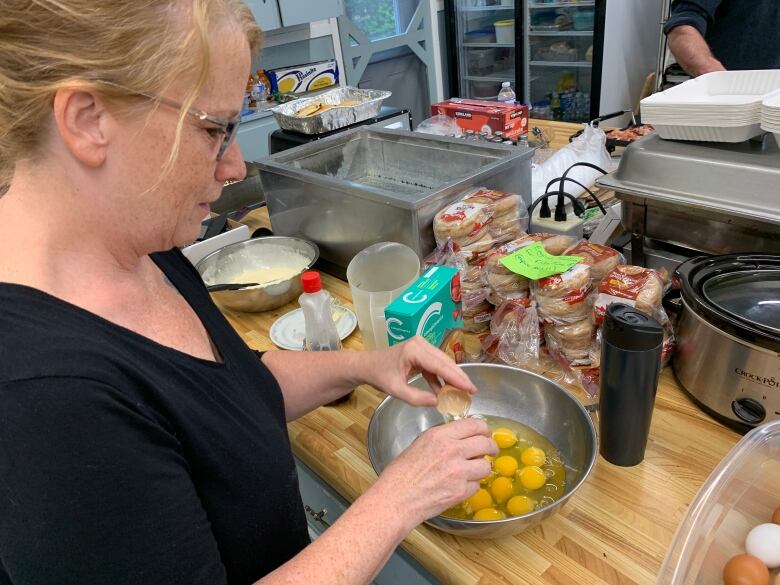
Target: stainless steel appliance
681 199
728 334
519 395
371 185
388 117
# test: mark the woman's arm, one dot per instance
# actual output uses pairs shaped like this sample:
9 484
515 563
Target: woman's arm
440 469
311 379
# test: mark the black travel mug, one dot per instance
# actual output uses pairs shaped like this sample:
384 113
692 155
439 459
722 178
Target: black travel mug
630 364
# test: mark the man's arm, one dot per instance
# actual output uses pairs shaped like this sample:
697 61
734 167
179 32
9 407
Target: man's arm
692 52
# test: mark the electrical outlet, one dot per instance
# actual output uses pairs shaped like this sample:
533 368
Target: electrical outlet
571 227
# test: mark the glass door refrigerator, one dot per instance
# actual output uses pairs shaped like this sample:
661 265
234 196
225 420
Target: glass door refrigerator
569 60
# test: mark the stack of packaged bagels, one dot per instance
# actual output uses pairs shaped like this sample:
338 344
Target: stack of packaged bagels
466 232
542 325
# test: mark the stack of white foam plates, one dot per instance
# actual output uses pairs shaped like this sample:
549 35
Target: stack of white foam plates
724 106
770 114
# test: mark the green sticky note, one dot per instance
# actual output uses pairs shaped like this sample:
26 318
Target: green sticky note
535 262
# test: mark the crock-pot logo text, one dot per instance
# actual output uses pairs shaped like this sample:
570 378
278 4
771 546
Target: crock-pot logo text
770 382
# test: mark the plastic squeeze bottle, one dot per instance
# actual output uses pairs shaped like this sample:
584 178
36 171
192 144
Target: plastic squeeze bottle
321 332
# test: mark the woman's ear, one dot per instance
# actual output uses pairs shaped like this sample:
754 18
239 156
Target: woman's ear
82 122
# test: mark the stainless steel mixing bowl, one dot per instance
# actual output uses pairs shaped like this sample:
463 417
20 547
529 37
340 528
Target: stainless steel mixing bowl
507 392
225 265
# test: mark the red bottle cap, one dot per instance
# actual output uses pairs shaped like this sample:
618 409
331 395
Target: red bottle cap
311 282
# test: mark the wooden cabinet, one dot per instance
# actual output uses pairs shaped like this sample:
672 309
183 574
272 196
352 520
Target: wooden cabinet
273 14
301 11
266 13
253 137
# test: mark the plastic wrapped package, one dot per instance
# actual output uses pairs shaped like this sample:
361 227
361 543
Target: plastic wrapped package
476 319
472 346
564 298
447 254
601 259
639 287
439 125
481 220
590 146
453 345
502 283
572 341
473 291
515 337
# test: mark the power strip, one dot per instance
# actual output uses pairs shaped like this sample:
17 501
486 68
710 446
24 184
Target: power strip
571 227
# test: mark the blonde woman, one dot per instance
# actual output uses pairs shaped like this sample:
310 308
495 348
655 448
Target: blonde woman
140 440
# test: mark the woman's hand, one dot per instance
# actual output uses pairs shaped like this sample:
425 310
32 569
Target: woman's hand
441 468
389 370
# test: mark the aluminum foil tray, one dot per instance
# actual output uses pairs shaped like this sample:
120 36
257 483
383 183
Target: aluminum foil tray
335 118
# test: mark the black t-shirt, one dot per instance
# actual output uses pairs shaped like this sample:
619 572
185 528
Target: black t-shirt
124 461
742 34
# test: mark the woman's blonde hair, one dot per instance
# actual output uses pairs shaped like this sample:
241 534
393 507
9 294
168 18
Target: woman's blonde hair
47 45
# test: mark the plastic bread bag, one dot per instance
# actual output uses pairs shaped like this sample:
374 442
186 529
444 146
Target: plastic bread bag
447 254
473 291
453 346
601 259
476 319
590 379
638 287
480 220
472 346
510 216
590 146
515 337
502 283
571 341
564 298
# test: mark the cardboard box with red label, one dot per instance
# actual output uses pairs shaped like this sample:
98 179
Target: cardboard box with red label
483 116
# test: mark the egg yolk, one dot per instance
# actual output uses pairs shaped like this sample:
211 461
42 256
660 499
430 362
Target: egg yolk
533 456
520 505
488 514
504 438
506 465
502 489
532 477
482 499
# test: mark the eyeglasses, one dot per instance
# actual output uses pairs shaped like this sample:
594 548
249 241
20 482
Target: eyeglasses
228 128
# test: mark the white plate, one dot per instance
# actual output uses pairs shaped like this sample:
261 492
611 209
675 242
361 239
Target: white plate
289 330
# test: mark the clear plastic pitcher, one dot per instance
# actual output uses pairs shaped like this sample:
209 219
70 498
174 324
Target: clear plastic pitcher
376 276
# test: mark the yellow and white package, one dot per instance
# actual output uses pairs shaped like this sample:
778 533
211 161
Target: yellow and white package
303 78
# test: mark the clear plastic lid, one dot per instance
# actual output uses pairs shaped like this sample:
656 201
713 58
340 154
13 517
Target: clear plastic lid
740 494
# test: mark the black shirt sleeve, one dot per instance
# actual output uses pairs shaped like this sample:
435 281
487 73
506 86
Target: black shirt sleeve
696 13
89 484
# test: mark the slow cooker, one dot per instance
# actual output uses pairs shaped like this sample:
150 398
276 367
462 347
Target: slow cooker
728 335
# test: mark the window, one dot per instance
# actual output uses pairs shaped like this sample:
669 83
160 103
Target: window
380 19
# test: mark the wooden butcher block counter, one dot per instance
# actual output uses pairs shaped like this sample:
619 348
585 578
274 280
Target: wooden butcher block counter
616 529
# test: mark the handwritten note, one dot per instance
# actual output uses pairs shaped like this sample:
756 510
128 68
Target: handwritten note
534 262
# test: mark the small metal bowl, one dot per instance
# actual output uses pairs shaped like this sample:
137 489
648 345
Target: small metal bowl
228 263
510 393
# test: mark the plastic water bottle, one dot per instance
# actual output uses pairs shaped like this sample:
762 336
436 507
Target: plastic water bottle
507 94
321 332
